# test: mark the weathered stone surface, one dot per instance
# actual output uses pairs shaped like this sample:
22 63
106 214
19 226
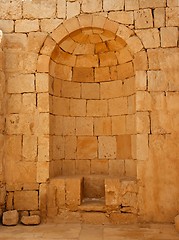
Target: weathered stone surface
30 220
177 223
10 218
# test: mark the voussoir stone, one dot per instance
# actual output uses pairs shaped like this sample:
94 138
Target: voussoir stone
30 220
10 218
177 223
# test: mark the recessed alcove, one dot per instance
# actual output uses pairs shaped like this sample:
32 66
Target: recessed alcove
92 115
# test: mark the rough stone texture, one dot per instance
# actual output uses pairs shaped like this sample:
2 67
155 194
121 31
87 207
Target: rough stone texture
177 223
10 218
30 220
105 77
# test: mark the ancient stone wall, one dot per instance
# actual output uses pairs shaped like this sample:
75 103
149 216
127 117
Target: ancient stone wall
2 125
31 33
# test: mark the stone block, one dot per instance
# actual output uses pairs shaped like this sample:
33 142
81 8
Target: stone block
169 37
116 167
83 74
91 189
21 83
10 218
142 122
112 192
118 125
124 56
143 19
149 37
42 172
142 148
160 122
7 26
172 101
43 64
36 9
43 102
143 101
86 147
99 166
97 108
131 169
68 167
118 106
172 16
70 147
141 80
125 70
113 5
78 107
71 89
61 106
131 5
157 81
11 10
84 126
159 17
111 89
122 17
141 61
26 25
61 8
172 3
73 192
90 91
87 61
30 220
58 147
102 74
16 41
9 200
60 193
108 59
123 146
26 200
73 9
107 147
28 103
152 3
82 167
102 126
134 44
29 147
48 46
91 6
48 25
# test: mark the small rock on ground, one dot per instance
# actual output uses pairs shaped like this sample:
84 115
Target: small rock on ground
10 218
30 220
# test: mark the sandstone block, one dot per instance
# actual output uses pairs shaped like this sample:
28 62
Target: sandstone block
172 3
61 8
30 220
48 25
112 191
177 223
124 56
26 200
69 126
116 167
118 106
61 106
142 122
169 37
10 218
122 17
131 5
73 9
36 9
73 192
71 89
143 101
143 18
152 3
82 167
70 147
21 83
142 148
172 16
58 147
81 74
91 6
124 147
149 37
102 74
118 125
141 80
157 81
140 61
29 147
42 172
86 147
90 91
111 89
26 25
35 41
7 26
97 108
102 126
107 147
125 70
11 10
99 166
113 5
78 107
159 17
43 63
84 126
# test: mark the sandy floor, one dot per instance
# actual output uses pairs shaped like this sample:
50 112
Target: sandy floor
89 232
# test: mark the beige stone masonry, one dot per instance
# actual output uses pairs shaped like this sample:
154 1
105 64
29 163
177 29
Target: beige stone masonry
169 37
26 26
143 18
122 17
113 5
131 5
